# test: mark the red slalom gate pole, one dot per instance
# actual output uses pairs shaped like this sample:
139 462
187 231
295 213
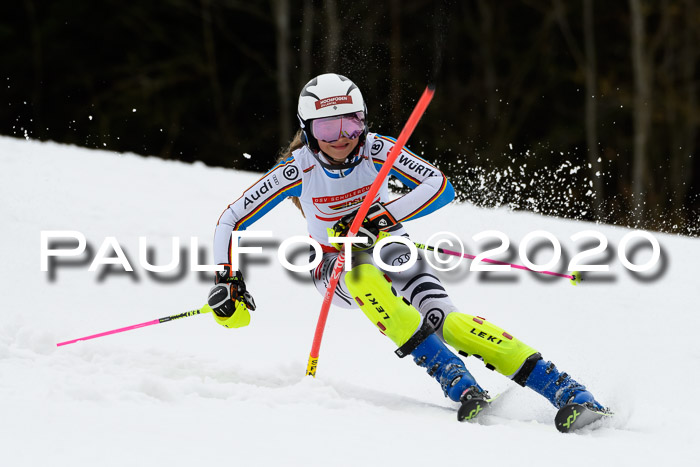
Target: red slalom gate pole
359 217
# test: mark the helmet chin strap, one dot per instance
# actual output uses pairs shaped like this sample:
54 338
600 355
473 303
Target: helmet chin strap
345 165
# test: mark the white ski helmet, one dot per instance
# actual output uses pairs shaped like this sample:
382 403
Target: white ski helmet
328 95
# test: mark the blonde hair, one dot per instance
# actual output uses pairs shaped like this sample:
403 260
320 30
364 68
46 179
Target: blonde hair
286 153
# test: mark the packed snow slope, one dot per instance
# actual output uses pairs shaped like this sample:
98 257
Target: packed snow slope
190 392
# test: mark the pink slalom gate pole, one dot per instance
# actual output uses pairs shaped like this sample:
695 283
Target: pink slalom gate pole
413 119
204 309
576 276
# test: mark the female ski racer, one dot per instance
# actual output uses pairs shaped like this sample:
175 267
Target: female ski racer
327 169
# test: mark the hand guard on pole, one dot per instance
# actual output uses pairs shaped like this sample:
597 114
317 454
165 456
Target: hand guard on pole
230 299
378 219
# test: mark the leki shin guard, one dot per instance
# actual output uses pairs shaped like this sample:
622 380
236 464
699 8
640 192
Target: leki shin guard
393 315
473 335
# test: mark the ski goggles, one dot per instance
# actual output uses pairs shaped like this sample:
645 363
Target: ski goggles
331 129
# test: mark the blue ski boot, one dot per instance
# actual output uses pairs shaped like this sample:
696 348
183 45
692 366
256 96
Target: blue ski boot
454 378
557 387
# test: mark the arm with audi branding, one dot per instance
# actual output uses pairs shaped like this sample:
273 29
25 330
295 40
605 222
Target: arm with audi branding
230 298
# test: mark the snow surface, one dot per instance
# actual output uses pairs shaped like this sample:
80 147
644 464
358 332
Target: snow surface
190 392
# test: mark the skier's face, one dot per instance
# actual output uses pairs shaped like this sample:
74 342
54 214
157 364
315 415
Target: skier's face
339 150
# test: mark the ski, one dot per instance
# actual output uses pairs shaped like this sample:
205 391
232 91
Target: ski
471 408
573 417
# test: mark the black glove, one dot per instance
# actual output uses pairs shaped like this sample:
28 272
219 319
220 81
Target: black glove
230 288
378 218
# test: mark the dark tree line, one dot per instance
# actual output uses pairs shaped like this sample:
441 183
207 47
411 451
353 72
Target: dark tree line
583 108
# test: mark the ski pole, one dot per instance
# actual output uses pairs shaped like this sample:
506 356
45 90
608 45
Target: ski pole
204 309
359 217
574 277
